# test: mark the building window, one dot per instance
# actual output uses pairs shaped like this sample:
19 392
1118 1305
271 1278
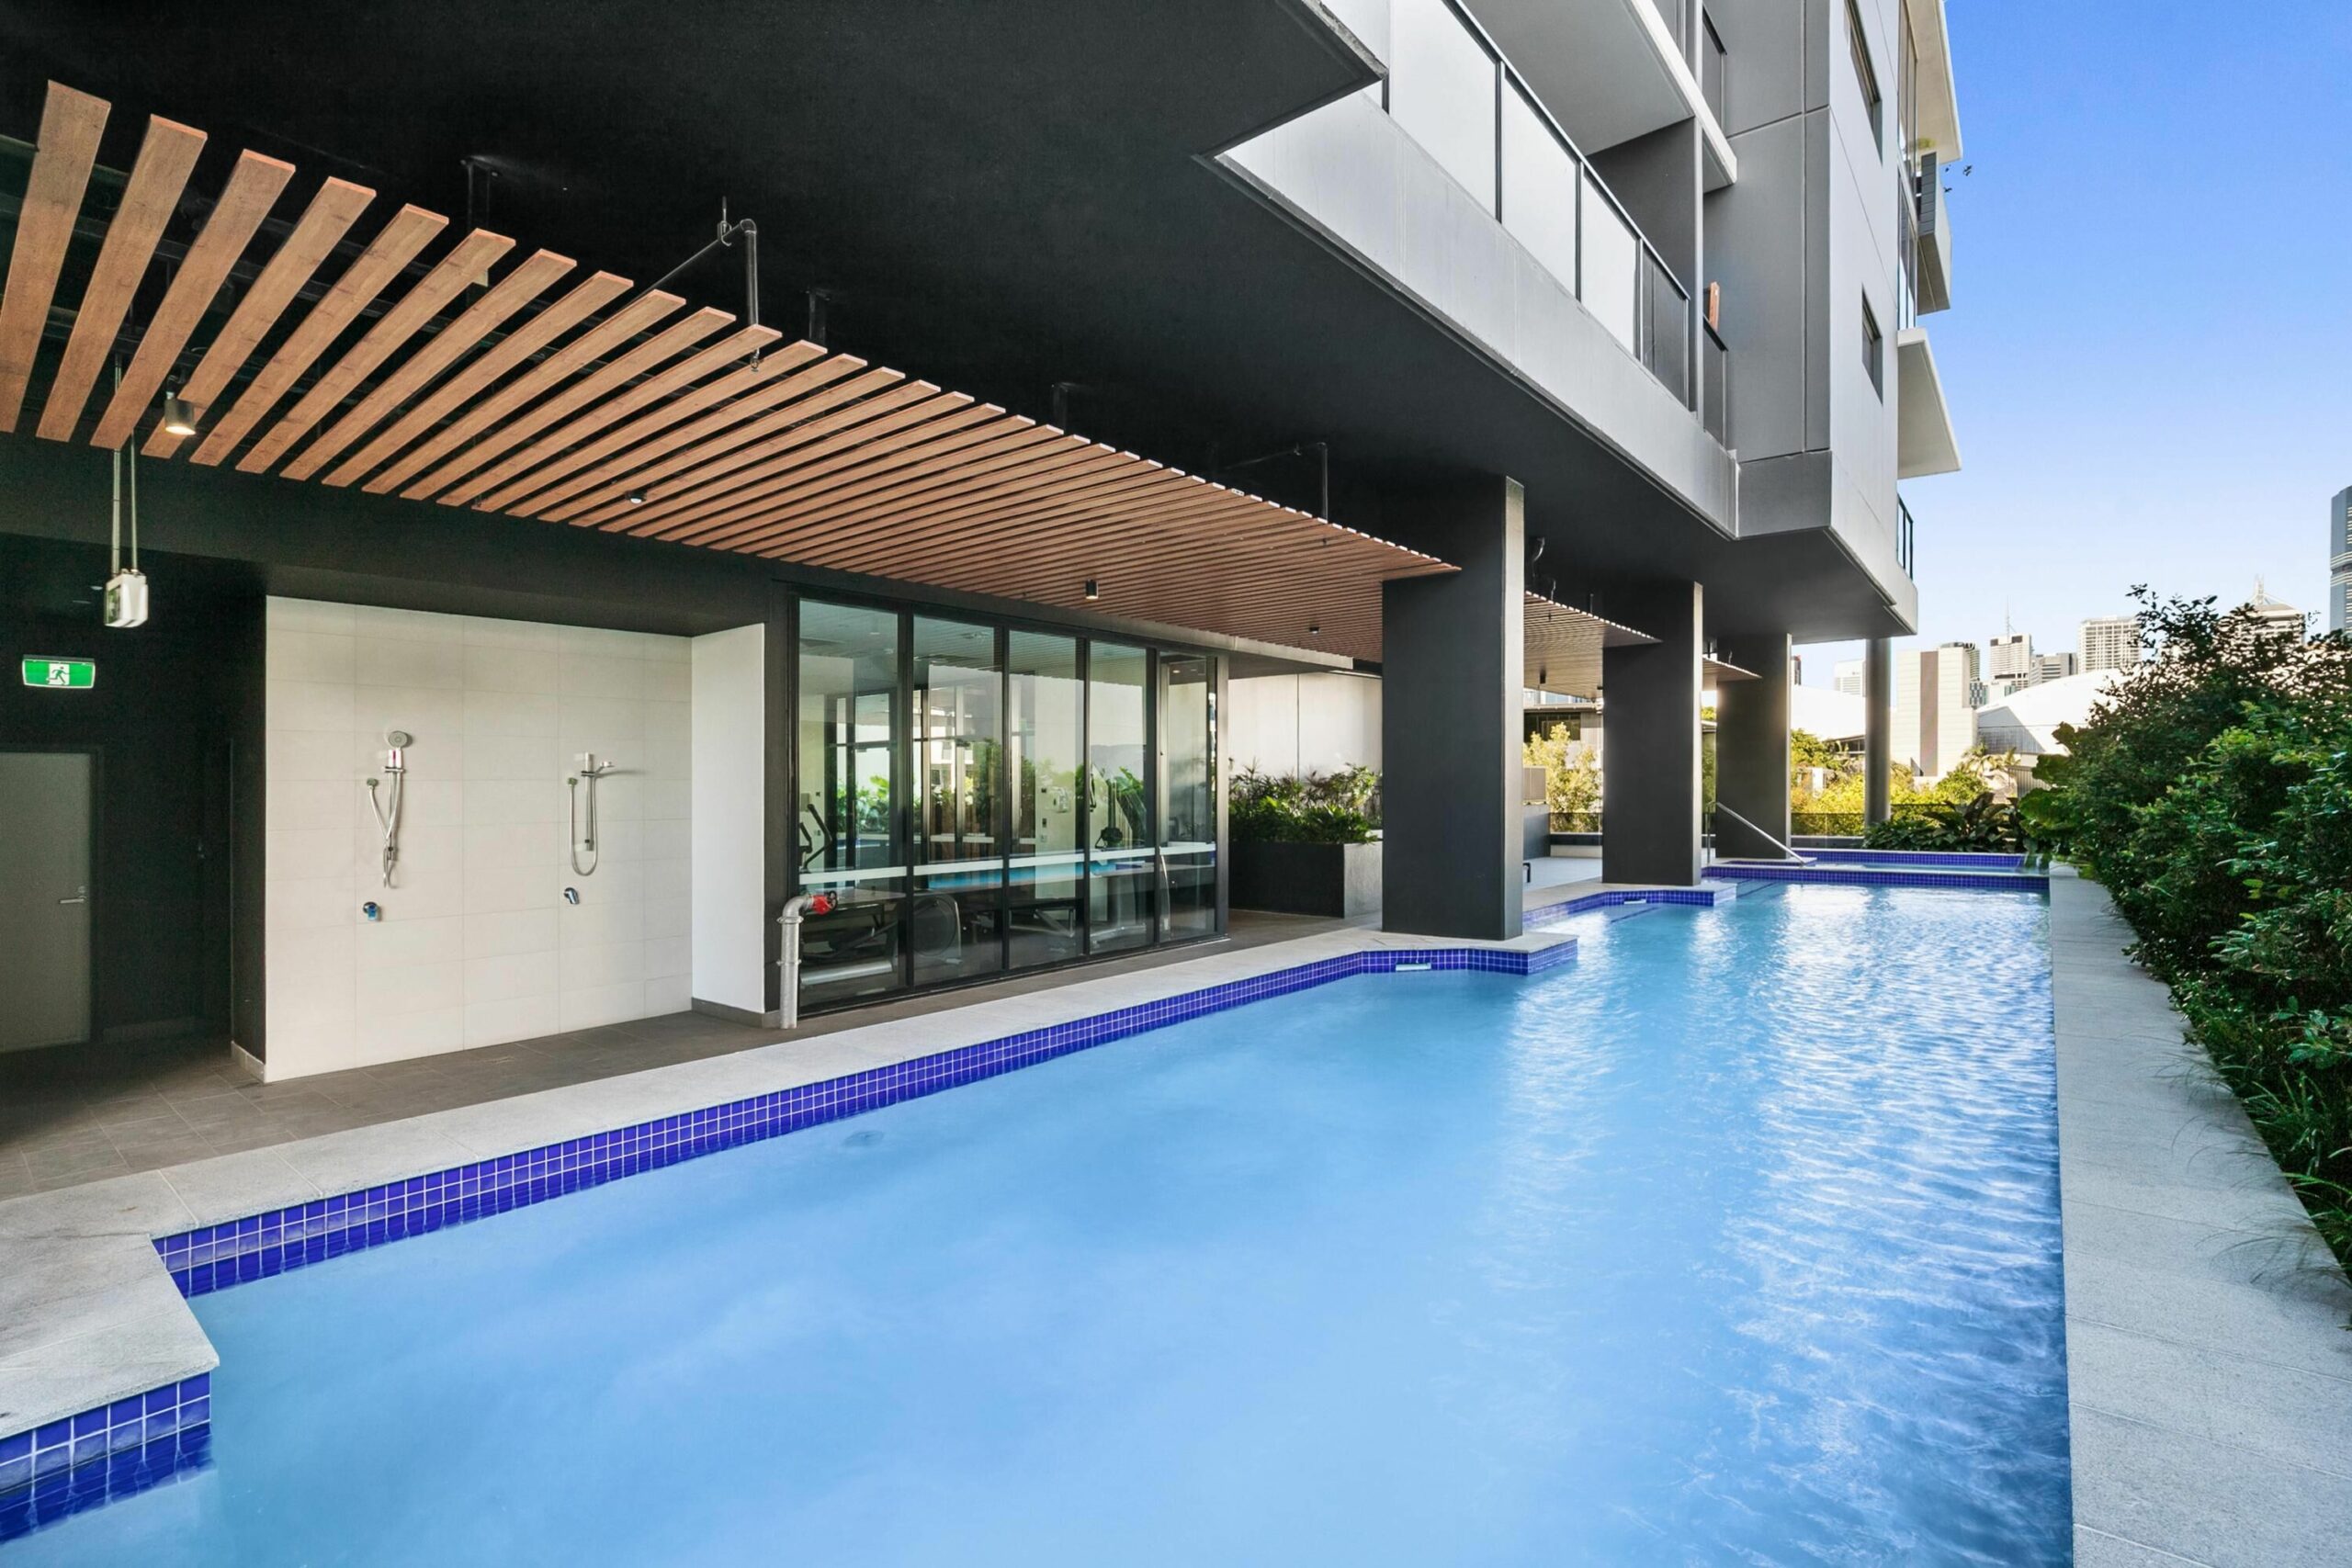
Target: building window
1864 76
1713 69
1873 350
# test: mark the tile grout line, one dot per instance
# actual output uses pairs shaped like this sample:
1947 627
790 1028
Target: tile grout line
2144 1546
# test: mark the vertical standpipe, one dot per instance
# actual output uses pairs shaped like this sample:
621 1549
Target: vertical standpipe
788 963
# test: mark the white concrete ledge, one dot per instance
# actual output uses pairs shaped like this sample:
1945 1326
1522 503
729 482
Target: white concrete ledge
2209 1369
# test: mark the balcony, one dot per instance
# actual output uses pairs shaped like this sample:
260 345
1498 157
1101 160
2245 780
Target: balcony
1454 92
1616 69
1924 442
1931 277
1453 186
1936 119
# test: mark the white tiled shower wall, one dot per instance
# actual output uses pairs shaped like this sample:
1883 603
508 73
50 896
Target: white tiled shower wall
477 944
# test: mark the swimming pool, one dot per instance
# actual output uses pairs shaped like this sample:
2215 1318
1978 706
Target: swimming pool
1735 1240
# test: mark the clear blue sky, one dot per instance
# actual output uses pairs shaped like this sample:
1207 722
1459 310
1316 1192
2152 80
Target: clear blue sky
2149 352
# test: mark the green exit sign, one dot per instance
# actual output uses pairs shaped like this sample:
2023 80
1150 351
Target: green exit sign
65 674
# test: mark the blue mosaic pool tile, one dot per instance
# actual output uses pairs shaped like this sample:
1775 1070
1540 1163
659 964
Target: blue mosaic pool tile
1952 860
1864 876
1704 895
101 1454
212 1257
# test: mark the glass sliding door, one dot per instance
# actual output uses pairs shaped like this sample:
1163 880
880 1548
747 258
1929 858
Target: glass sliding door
846 827
1189 789
955 913
978 799
1045 884
1122 853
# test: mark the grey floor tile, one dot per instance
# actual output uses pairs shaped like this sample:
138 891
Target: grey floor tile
139 1129
2205 1501
229 1143
49 1170
2289 1414
154 1153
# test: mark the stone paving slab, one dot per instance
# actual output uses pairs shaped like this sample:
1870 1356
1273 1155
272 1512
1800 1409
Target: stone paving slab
2208 1363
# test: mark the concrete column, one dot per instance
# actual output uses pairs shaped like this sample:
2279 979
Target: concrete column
1451 698
1752 751
1878 719
1649 777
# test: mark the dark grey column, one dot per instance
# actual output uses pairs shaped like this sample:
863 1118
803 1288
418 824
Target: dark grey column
1878 719
1649 766
1752 753
781 809
1451 698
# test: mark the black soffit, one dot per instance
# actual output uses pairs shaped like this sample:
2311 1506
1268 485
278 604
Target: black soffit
575 403
1009 196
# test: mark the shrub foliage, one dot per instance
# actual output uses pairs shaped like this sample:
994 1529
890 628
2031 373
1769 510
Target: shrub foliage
2211 791
1314 808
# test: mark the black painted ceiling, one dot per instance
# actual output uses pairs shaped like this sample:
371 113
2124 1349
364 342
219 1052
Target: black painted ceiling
997 197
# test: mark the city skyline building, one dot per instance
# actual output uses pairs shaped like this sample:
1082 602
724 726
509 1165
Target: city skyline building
2276 614
2339 560
2056 666
2010 658
2109 642
1937 693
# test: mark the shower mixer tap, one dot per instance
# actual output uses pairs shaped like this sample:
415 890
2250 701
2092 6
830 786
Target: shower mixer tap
388 811
590 771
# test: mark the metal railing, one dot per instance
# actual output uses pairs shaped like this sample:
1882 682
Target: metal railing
1532 177
1714 72
1903 537
1714 385
1802 824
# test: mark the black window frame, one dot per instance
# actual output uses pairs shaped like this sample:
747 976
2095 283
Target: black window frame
1873 349
1866 73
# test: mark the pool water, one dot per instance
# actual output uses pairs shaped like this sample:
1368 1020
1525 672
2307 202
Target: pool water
1734 1241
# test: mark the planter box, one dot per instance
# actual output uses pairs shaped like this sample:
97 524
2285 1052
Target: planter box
1535 832
1306 879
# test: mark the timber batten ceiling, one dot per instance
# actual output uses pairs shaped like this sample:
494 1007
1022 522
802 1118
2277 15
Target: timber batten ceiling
1561 646
332 348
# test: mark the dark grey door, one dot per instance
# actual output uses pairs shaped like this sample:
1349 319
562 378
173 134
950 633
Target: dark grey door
44 898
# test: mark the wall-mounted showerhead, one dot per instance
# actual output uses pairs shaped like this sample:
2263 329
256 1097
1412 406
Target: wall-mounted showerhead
589 771
388 811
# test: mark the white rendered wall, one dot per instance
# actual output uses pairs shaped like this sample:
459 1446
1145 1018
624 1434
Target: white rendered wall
1288 724
477 944
731 818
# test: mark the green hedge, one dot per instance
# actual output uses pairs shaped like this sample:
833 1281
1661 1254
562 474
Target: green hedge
2213 795
1319 809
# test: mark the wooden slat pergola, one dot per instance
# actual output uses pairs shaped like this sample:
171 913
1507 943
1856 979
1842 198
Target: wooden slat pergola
316 356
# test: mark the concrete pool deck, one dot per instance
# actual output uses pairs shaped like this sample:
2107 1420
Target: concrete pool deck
2209 1369
2209 1373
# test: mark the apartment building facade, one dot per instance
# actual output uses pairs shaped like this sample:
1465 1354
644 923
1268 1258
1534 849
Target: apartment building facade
1574 348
